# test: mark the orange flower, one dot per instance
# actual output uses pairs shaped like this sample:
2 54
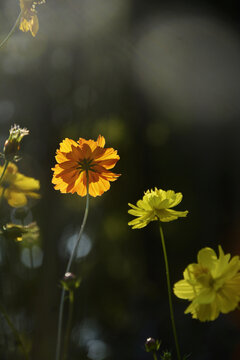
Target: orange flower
77 160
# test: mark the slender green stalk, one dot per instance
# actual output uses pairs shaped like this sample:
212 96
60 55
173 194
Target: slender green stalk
60 318
12 30
154 355
31 257
4 170
169 293
14 330
2 194
1 178
69 324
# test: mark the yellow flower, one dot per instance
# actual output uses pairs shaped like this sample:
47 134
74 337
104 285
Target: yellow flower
16 187
212 285
156 205
29 19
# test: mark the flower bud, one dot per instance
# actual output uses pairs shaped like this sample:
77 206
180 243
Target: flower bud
70 282
152 345
12 144
11 148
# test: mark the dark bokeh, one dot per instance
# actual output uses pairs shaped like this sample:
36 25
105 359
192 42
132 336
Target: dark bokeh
161 82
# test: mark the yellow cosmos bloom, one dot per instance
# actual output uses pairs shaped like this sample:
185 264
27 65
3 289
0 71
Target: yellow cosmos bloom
156 205
16 187
212 285
29 19
84 159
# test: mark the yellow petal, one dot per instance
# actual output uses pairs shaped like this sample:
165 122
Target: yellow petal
204 312
176 198
167 215
206 296
228 297
24 25
15 199
101 141
184 290
25 183
34 25
207 257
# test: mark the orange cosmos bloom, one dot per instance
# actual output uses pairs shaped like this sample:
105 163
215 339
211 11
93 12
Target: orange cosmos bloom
77 160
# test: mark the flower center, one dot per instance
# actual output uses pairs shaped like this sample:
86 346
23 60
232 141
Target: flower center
86 165
204 277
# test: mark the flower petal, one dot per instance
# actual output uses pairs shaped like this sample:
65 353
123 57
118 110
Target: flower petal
208 258
184 290
204 312
206 296
14 198
24 183
100 141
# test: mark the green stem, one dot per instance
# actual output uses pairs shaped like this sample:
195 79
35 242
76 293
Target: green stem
69 324
31 257
4 170
12 30
170 293
2 194
154 355
60 318
14 330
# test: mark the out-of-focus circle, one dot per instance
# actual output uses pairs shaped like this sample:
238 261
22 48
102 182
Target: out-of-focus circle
188 67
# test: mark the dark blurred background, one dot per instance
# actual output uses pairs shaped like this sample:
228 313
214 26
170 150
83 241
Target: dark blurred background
160 80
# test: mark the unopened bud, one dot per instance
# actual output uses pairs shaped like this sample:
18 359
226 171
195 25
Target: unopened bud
70 282
11 148
152 345
12 144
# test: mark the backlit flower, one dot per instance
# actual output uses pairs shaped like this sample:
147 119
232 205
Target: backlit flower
77 160
29 19
16 188
156 205
212 285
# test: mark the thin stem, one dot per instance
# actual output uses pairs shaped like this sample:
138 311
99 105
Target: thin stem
14 330
80 232
31 257
12 30
2 194
154 355
169 293
4 170
60 318
69 324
